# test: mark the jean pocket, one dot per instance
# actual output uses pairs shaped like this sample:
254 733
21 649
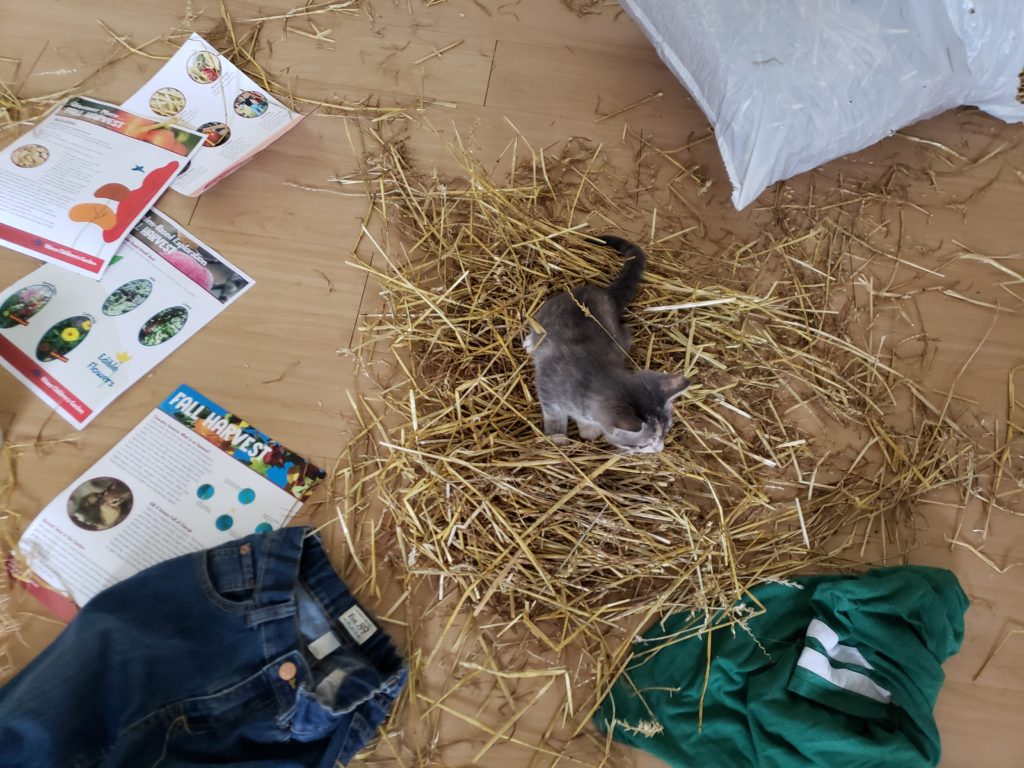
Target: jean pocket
233 725
226 575
250 709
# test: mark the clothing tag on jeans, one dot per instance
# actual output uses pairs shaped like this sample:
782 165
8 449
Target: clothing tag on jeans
357 624
325 644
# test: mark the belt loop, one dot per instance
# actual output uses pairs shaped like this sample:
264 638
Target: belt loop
278 568
256 616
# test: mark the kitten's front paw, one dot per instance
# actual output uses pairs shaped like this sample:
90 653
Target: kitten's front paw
559 439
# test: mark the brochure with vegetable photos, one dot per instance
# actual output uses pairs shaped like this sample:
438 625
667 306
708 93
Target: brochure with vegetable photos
200 89
73 187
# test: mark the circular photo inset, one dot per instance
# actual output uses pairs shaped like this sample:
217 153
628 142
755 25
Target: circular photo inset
216 134
203 67
246 496
62 337
100 503
30 156
264 528
20 307
162 326
205 491
250 104
126 298
167 102
224 522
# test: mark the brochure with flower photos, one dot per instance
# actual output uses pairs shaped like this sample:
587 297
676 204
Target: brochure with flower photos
78 343
201 90
189 476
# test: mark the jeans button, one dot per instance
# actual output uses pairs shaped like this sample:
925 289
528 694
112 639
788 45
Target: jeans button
245 549
287 671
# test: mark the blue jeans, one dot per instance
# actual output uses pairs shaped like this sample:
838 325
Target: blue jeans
249 654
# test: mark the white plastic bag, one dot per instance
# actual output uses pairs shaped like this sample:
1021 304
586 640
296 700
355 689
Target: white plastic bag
992 32
791 84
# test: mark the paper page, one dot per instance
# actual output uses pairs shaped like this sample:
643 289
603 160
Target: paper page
78 343
72 188
190 476
202 90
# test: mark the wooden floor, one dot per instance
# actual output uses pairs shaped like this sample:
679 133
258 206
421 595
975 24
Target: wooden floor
275 356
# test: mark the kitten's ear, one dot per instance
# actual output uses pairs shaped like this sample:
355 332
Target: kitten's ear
673 385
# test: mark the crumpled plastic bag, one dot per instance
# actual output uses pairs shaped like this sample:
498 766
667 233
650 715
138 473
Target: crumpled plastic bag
992 32
791 84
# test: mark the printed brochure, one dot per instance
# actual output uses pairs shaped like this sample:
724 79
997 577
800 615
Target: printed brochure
190 476
202 90
78 343
72 188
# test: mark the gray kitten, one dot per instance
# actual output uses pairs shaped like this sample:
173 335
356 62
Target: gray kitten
580 360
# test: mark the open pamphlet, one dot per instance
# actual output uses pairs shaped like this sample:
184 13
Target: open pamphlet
190 476
72 188
202 90
78 343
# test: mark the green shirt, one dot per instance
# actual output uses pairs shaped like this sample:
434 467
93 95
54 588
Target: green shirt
839 671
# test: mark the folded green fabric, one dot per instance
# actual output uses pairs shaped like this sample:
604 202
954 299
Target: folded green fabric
839 671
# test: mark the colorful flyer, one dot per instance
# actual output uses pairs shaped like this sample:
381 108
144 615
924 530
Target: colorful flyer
202 90
78 343
190 476
72 188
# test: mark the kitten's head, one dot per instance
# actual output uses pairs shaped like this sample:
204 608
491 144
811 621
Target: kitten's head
641 420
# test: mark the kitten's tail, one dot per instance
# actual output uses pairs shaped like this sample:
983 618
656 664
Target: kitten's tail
623 289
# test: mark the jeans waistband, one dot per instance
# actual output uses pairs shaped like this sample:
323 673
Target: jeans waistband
269 567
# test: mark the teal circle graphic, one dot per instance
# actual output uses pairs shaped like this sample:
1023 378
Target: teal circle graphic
246 496
264 528
224 522
205 491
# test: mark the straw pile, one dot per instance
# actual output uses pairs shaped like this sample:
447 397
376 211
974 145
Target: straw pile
795 444
802 444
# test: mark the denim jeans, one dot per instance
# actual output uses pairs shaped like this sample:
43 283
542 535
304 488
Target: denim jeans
249 654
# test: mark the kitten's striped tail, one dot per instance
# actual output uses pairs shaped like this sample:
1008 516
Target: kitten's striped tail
623 289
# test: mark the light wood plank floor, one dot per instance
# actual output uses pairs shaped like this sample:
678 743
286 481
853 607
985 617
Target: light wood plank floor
533 63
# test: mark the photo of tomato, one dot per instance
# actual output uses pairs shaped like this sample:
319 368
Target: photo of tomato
162 326
216 134
19 307
58 342
203 67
